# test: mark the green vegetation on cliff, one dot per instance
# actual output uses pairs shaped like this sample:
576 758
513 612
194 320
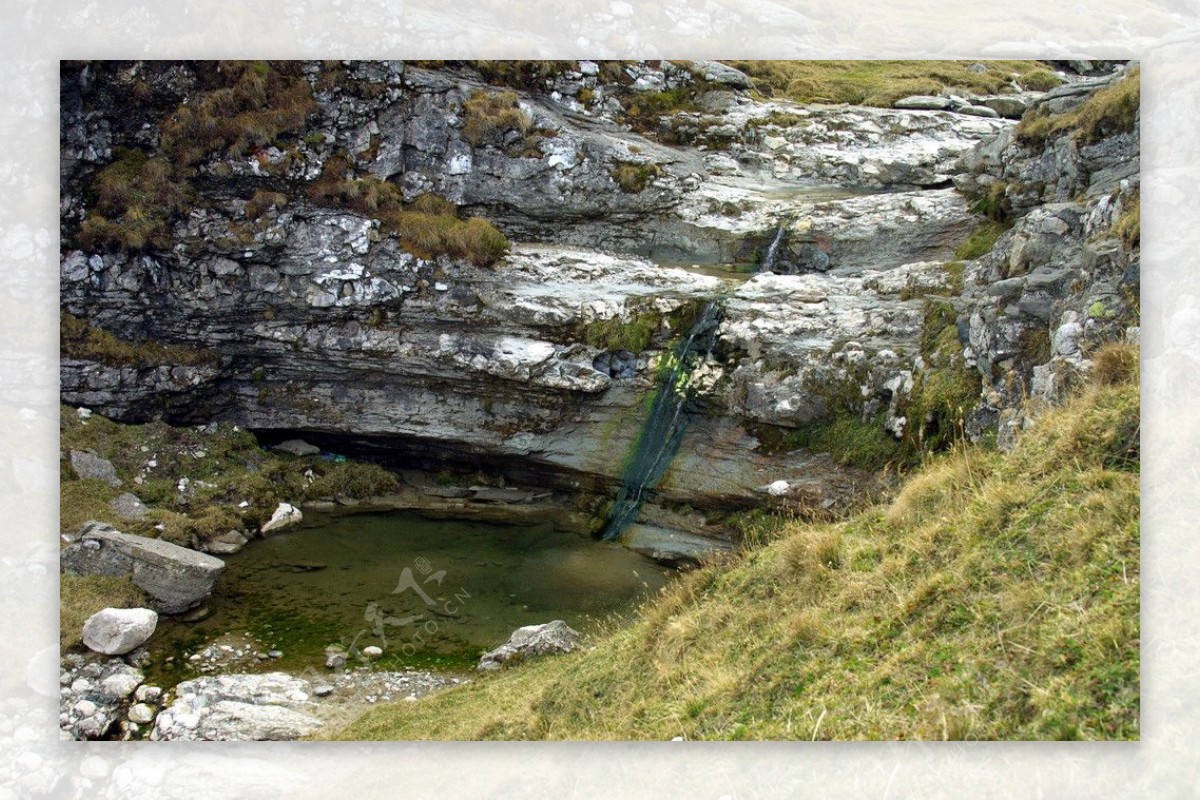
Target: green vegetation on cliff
996 597
428 226
1110 111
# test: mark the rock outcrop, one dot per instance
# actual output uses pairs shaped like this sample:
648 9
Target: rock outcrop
247 706
176 578
555 637
317 321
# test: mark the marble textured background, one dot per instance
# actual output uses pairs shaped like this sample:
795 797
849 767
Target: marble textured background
1164 34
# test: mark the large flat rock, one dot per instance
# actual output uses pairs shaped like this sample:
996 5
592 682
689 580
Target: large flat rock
176 578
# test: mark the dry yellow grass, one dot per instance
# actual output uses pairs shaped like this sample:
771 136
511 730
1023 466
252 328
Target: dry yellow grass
881 83
80 597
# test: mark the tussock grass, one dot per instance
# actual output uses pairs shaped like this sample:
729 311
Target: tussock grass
634 178
427 227
1110 111
353 480
262 200
881 83
489 116
134 201
245 105
996 598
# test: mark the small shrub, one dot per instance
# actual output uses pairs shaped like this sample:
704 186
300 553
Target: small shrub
615 334
489 116
848 439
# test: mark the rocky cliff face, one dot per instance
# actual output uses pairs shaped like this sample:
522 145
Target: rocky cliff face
314 316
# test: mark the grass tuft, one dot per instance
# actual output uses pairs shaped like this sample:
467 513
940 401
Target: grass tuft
134 201
488 117
981 241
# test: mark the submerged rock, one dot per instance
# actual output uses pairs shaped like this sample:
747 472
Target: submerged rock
671 547
227 543
555 637
176 578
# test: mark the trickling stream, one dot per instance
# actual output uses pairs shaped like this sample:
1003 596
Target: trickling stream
665 423
772 253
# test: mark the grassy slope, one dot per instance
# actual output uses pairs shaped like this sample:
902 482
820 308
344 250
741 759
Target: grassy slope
881 83
997 597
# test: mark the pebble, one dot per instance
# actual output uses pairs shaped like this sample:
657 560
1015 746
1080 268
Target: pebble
372 651
147 692
141 713
322 690
274 654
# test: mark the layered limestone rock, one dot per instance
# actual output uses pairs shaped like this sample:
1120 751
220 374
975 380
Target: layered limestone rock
320 322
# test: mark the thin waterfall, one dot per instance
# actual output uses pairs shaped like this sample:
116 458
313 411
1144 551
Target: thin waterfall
662 433
769 258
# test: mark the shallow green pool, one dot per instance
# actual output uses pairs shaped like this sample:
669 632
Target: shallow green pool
430 593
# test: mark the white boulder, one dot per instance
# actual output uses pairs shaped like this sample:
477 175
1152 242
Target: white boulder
118 631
